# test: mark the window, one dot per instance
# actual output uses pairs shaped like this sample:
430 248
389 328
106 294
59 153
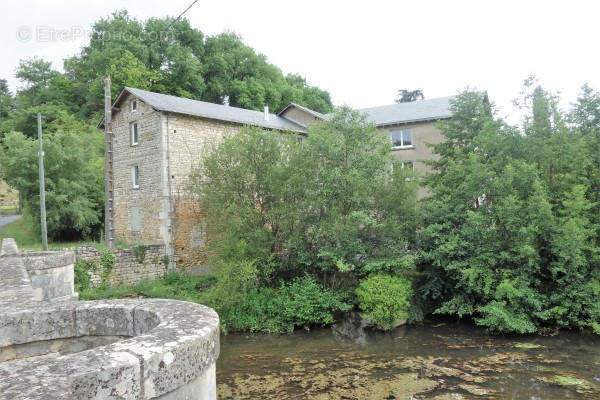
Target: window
133 130
408 170
401 138
133 105
135 176
136 219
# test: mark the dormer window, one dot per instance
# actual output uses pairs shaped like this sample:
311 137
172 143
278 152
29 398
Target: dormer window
401 139
133 105
133 133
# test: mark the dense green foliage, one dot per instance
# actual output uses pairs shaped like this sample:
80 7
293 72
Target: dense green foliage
171 286
510 235
327 207
73 177
302 228
181 61
302 302
385 299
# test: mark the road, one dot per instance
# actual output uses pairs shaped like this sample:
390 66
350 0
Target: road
7 219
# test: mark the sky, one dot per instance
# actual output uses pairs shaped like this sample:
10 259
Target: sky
362 52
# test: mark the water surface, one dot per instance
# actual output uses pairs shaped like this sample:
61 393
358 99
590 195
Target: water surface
442 362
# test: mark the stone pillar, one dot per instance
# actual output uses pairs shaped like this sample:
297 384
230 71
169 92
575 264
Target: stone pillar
52 274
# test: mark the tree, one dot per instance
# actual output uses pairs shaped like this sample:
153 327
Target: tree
328 206
74 178
185 63
508 233
406 96
7 103
180 61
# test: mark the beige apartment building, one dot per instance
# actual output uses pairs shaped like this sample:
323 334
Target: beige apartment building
159 139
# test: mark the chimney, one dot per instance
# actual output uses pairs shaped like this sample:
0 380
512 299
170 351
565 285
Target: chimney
266 113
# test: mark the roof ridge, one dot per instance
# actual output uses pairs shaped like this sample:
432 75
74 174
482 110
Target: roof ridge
407 102
204 109
200 101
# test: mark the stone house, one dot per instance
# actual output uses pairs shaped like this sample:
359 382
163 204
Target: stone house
159 139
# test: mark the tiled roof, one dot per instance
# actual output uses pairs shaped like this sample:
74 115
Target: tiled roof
181 105
401 113
392 114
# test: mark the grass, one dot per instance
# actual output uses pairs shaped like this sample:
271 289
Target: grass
171 286
26 234
23 233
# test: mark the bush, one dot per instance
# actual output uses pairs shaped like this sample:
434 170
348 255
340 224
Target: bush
82 274
303 302
327 205
384 299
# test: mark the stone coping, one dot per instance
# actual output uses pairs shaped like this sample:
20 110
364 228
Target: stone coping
38 260
171 343
8 247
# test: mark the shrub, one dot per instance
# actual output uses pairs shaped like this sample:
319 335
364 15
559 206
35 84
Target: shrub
327 205
139 252
306 302
300 303
384 299
82 274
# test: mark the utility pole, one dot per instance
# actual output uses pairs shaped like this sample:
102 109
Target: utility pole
109 227
42 184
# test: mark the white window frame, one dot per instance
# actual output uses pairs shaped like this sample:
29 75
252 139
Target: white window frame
134 133
133 105
135 176
412 169
402 145
412 164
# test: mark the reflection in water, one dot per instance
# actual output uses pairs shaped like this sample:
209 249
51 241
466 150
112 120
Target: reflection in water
440 362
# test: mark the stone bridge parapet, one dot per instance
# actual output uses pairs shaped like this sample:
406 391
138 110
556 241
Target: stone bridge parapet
157 349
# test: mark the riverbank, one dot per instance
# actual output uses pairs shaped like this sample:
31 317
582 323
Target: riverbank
442 361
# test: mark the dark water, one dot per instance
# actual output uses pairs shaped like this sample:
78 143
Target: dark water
442 362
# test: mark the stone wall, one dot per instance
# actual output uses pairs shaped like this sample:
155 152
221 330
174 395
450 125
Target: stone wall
141 213
129 268
191 140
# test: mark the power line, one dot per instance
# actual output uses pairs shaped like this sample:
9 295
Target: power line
180 15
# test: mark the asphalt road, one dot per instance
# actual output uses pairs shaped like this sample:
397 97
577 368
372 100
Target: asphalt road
7 219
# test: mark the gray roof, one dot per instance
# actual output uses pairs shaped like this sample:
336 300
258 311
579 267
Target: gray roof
180 105
402 113
305 109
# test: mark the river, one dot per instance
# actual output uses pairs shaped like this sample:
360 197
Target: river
432 361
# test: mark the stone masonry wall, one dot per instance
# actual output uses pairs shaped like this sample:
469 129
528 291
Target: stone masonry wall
140 213
147 207
128 268
190 141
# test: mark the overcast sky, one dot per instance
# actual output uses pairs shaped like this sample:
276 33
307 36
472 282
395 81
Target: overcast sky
362 52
